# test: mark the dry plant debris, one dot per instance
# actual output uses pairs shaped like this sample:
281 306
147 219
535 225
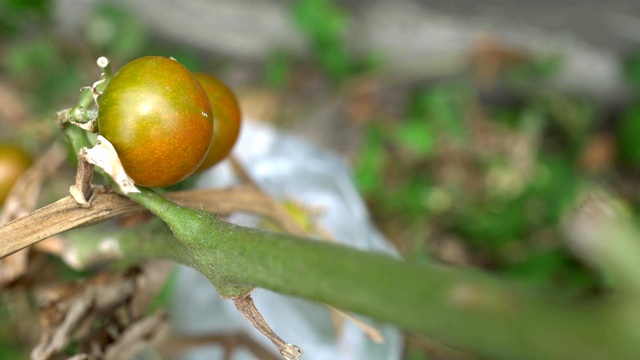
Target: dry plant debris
70 310
101 316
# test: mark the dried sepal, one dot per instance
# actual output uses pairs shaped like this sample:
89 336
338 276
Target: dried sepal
104 155
82 190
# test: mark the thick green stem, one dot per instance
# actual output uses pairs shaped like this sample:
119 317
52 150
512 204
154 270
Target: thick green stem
191 227
459 307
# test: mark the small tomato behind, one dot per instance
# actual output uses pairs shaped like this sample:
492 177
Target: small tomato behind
226 113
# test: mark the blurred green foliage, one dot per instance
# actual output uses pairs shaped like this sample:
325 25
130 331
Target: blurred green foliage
42 68
115 32
324 24
495 177
278 70
629 135
19 15
10 348
30 56
632 70
629 126
534 72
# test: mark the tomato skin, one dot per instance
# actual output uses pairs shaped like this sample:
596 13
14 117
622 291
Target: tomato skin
13 163
158 118
226 113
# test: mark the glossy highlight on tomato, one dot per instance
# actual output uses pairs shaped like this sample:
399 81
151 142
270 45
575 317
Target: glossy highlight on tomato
158 118
14 161
226 113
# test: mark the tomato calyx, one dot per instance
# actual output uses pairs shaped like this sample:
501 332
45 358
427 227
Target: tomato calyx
84 114
104 155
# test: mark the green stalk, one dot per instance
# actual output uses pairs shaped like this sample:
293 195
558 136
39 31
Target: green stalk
88 247
462 308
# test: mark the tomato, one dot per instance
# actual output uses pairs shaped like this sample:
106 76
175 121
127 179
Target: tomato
13 163
226 114
158 118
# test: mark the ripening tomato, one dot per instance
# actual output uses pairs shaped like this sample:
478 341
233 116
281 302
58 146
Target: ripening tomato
13 163
158 118
226 113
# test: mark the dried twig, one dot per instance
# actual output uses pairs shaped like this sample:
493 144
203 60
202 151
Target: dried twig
72 312
65 214
247 308
82 190
60 216
138 336
73 307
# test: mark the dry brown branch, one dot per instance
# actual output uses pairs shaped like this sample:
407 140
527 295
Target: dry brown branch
82 190
71 312
65 214
58 217
138 336
71 308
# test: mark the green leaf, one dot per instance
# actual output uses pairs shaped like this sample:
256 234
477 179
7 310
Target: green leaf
321 20
368 174
538 269
278 70
443 108
324 24
632 70
495 225
629 136
416 135
17 14
116 32
534 71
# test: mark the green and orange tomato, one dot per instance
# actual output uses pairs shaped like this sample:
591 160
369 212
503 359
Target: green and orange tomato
159 120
